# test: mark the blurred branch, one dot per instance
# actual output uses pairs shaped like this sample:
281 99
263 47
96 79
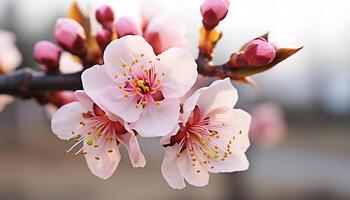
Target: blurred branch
27 83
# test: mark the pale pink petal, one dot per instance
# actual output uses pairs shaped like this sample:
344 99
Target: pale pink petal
131 144
165 32
194 175
181 72
84 100
101 162
166 139
124 51
10 57
158 120
149 9
68 64
4 101
170 170
105 93
237 126
66 120
220 93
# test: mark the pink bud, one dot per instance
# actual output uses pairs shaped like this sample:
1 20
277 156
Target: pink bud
103 37
105 16
47 54
213 11
259 53
127 26
70 35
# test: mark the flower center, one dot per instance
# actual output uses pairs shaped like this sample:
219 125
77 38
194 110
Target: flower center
97 131
202 137
142 82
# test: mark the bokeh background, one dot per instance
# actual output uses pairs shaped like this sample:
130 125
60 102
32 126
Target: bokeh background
312 88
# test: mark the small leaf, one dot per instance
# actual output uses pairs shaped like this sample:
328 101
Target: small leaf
244 71
76 14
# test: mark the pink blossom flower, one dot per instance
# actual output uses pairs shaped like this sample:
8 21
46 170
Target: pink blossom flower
164 32
268 125
127 26
211 137
99 132
213 11
259 53
139 86
10 58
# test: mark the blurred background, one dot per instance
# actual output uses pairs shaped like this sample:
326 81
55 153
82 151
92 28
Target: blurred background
307 158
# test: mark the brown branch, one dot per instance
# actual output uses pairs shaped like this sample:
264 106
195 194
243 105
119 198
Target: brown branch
27 83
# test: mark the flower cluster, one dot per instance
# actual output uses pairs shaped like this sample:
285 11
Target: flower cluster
137 82
136 92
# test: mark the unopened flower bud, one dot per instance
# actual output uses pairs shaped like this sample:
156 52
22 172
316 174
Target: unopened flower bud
213 11
105 16
103 37
48 54
70 35
259 53
126 26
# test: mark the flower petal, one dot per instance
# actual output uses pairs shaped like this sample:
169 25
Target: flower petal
166 139
220 93
170 170
101 162
180 72
4 101
66 119
158 120
124 51
194 175
131 144
105 93
84 100
237 126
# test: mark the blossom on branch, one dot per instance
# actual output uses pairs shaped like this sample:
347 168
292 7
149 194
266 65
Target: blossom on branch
211 137
139 86
98 133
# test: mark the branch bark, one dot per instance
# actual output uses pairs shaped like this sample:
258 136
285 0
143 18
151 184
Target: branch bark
28 83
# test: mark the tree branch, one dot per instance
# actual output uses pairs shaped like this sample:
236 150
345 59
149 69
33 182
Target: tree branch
27 83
